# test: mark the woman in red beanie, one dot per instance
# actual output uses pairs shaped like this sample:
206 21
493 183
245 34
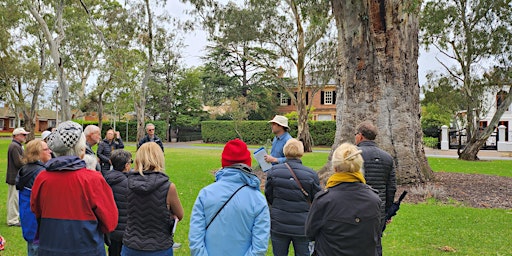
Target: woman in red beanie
232 211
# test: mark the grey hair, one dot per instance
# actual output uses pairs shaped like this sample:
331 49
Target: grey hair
90 162
149 124
90 129
77 150
119 158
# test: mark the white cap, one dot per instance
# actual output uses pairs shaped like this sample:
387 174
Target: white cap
45 134
280 120
19 131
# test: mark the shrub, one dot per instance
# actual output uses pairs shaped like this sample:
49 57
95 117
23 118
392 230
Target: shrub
258 132
430 142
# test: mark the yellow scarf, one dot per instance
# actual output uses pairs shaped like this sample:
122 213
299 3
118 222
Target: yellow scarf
340 177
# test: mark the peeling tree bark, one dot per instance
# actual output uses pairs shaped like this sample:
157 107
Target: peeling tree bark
378 72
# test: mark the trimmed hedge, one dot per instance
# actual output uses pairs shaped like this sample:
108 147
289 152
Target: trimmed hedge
132 128
259 132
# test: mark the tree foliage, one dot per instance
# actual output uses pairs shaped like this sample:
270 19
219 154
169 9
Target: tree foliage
475 35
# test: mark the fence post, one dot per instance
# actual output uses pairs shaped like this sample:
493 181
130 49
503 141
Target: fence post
445 144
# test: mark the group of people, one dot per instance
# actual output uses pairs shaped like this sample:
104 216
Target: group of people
70 207
232 217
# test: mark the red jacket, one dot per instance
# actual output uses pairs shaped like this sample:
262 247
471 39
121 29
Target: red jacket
75 206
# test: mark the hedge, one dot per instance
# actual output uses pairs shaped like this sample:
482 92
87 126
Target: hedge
259 132
160 128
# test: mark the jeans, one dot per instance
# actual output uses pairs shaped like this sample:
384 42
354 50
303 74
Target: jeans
126 251
32 248
281 243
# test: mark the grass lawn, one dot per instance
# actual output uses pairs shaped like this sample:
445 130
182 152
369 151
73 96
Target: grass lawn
422 229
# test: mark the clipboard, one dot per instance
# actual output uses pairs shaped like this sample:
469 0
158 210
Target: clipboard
259 155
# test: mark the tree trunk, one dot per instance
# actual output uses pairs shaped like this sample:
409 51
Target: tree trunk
473 146
54 45
140 104
378 72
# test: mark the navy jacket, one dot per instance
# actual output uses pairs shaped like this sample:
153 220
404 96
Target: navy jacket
289 207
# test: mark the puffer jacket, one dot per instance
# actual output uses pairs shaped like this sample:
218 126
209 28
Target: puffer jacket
118 181
345 220
243 225
105 149
149 223
24 182
379 172
289 207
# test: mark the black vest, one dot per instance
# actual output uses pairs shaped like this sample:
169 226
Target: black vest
149 224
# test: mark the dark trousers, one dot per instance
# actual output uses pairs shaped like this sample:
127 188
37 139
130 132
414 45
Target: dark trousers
281 243
115 247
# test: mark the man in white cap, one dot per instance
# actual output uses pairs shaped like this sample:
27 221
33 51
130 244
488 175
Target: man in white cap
280 129
14 163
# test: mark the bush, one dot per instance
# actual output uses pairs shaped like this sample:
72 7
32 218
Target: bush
430 142
258 132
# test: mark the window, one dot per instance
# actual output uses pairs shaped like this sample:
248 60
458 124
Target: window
284 100
12 123
328 98
1 124
324 118
500 97
52 123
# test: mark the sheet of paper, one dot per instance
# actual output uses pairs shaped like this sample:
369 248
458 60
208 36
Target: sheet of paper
259 155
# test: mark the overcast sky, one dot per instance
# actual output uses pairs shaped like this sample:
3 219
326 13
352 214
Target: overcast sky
196 41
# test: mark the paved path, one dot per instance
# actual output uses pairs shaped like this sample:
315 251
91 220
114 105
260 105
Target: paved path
452 153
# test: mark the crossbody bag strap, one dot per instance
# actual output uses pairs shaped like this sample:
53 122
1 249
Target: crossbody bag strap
222 207
298 182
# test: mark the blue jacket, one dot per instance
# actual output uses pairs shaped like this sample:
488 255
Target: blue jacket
24 182
278 145
243 225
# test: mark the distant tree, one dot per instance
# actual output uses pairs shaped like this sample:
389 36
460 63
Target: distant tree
269 32
54 39
471 33
441 102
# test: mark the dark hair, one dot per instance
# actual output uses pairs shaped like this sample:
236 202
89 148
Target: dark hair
368 130
50 129
119 158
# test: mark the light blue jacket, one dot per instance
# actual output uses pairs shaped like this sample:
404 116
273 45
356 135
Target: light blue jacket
243 225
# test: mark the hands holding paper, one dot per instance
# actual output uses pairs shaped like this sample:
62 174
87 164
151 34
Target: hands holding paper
270 159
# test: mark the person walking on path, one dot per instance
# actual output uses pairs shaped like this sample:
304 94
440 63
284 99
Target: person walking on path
153 206
345 218
117 179
379 170
280 129
74 206
111 142
230 216
36 154
290 189
150 137
14 163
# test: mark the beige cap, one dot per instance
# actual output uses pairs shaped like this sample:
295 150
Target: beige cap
19 131
280 120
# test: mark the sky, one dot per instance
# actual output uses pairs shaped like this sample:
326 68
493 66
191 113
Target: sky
196 42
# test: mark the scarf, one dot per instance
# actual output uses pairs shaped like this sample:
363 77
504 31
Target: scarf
340 177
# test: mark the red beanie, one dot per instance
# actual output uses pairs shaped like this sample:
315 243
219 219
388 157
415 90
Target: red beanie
235 152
